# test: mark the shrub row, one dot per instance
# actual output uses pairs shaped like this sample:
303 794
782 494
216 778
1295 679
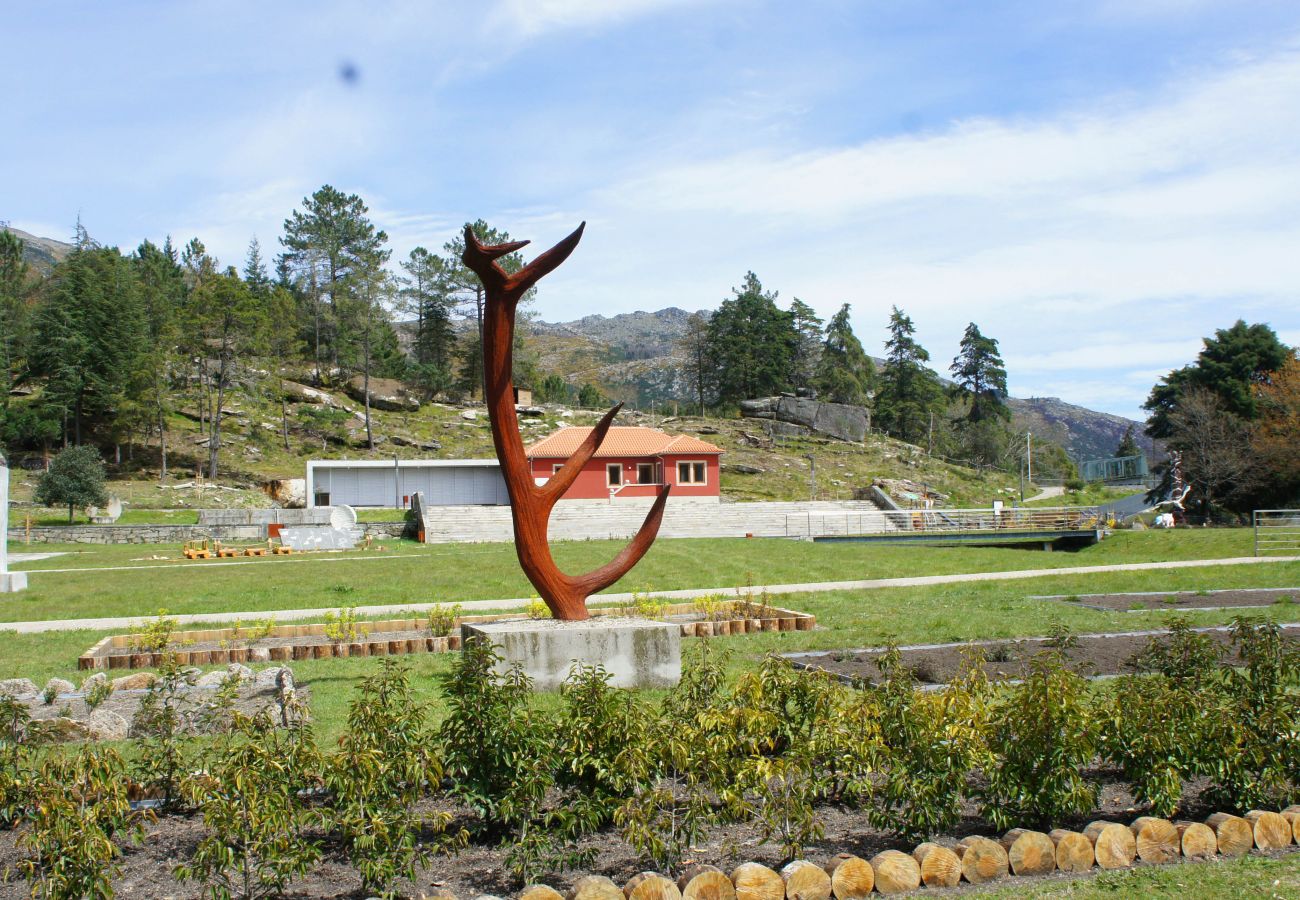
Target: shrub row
768 749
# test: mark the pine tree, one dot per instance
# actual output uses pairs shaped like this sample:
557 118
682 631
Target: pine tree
980 376
1128 445
751 344
162 290
326 243
845 372
259 283
909 393
425 293
808 344
693 350
15 288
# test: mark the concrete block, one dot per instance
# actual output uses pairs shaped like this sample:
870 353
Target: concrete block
637 653
12 582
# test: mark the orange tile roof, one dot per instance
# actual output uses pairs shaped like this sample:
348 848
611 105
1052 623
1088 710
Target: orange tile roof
621 440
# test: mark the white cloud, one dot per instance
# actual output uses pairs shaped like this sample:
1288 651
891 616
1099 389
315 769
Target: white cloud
530 18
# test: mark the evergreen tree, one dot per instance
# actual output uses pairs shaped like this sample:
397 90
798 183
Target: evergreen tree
259 283
326 243
845 373
89 335
1128 445
751 344
1230 365
980 376
15 288
808 344
590 397
425 294
162 292
461 282
909 393
693 350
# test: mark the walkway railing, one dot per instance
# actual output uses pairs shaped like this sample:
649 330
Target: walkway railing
946 521
1277 531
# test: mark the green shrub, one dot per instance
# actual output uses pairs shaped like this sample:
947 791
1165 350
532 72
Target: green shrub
1190 658
384 764
100 692
343 626
930 741
13 757
163 749
783 793
442 619
1251 769
1041 734
156 636
257 826
77 805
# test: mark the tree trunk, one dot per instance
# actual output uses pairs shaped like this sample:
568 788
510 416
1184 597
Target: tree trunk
896 872
1114 844
981 859
1157 839
852 877
595 887
1195 840
1233 833
703 882
214 440
370 437
755 881
1272 832
651 886
1292 815
805 881
162 446
540 892
1029 852
1073 851
69 513
940 867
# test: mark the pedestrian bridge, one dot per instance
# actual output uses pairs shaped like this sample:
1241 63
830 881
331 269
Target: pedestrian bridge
1047 525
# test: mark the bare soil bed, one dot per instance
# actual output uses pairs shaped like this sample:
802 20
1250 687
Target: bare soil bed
1095 654
479 868
1246 598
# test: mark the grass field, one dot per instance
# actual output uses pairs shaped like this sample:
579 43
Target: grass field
70 586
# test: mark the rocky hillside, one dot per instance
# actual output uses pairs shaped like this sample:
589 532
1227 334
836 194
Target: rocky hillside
631 357
41 253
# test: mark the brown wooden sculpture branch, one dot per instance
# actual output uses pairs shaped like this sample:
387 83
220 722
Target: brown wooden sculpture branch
531 505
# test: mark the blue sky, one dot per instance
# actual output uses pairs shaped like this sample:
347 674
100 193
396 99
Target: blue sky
1096 184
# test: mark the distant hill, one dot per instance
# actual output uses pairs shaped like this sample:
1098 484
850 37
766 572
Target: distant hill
631 357
39 252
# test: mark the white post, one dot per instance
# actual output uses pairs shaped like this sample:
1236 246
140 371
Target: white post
9 581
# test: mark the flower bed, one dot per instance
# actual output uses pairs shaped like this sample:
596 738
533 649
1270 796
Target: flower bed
393 637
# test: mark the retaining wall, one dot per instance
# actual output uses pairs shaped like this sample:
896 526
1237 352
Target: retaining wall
165 534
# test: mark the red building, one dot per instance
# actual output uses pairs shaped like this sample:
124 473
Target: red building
631 462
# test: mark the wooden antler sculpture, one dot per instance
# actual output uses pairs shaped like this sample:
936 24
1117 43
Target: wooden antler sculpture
530 505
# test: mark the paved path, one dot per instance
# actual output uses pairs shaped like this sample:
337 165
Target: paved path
1052 490
399 609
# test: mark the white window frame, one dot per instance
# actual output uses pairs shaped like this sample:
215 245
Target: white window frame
611 468
693 463
555 467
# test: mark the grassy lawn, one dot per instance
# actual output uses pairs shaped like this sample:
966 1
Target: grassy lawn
413 573
1251 876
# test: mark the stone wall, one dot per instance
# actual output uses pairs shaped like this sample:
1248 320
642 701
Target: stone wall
318 516
165 534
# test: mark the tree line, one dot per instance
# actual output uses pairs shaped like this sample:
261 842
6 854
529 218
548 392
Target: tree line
751 347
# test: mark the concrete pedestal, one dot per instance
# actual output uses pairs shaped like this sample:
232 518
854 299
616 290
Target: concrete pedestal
10 582
637 653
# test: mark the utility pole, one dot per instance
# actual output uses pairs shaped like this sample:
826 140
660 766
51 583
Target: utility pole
1029 455
812 476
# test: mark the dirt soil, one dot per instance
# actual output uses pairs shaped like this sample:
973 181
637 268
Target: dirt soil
1237 597
307 640
1095 654
479 869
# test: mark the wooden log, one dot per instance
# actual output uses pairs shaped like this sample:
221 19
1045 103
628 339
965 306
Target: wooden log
852 877
1157 839
940 867
1272 832
705 882
1113 844
981 859
805 881
895 872
595 887
755 881
1233 834
540 892
1196 840
1292 815
651 886
1029 852
1073 851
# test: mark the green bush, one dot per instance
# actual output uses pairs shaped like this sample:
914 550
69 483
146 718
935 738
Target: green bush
383 766
13 758
252 804
1041 735
163 749
77 805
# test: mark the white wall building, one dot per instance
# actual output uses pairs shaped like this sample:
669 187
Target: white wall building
390 483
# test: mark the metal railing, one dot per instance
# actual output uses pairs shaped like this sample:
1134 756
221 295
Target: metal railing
1277 531
946 521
